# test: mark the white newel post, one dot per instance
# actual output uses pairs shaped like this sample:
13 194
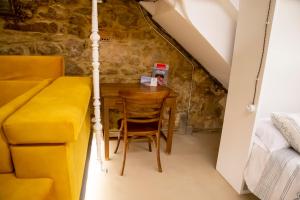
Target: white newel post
95 37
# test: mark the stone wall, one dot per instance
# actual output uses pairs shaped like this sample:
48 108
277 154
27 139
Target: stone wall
60 27
129 48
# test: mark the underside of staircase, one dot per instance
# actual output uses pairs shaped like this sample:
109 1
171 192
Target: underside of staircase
205 29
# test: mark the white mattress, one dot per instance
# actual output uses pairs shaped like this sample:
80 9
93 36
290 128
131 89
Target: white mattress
256 163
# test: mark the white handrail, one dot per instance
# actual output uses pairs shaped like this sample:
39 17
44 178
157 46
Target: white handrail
95 37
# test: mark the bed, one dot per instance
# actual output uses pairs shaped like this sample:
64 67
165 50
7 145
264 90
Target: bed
273 169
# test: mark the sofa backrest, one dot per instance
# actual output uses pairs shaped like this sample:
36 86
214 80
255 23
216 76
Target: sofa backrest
5 111
31 67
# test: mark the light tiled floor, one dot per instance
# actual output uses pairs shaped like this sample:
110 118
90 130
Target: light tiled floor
188 173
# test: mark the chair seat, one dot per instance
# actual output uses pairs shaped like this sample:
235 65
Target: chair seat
144 129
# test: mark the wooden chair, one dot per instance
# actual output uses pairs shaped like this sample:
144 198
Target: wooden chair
142 118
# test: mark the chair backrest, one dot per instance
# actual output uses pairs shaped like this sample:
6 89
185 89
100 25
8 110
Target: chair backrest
143 106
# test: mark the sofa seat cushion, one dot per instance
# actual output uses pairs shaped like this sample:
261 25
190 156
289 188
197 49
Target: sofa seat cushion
55 115
5 111
13 188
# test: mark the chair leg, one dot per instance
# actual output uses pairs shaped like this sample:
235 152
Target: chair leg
124 156
118 143
119 137
149 144
158 152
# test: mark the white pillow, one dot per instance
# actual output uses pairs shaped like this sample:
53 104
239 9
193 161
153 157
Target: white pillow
270 136
289 126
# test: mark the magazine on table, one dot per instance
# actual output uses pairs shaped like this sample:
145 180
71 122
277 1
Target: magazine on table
148 81
160 71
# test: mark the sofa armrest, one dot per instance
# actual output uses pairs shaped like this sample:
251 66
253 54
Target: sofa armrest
62 163
7 110
53 116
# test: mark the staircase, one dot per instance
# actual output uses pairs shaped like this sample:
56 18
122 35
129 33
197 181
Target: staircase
205 28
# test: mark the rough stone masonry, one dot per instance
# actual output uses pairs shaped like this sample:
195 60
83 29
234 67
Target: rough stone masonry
129 48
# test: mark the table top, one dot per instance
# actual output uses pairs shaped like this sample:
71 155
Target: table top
112 89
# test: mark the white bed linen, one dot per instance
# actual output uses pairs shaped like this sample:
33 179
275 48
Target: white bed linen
256 163
270 136
273 175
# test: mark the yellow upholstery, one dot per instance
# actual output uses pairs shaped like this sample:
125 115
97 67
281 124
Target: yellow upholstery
13 188
45 129
31 67
54 134
11 89
64 163
59 112
5 111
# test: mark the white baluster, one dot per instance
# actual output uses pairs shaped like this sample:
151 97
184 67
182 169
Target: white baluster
95 37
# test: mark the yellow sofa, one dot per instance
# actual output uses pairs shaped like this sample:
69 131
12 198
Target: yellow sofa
45 129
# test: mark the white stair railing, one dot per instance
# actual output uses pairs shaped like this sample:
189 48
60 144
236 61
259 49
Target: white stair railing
95 37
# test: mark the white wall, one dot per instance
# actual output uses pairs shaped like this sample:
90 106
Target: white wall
281 81
238 122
